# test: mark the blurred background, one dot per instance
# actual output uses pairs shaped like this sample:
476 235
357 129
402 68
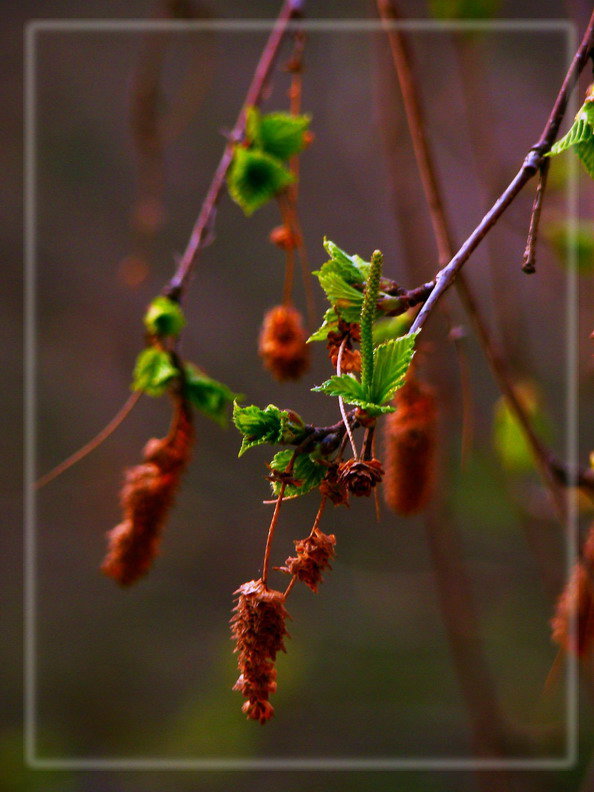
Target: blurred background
370 670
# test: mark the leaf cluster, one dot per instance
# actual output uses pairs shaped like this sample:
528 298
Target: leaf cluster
258 171
155 372
270 425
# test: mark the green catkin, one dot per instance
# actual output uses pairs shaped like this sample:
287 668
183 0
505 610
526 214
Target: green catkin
368 312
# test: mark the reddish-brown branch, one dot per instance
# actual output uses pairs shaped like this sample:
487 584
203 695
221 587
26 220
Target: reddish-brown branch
203 226
529 261
451 271
107 430
531 165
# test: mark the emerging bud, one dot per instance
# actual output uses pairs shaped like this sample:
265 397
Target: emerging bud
410 440
282 344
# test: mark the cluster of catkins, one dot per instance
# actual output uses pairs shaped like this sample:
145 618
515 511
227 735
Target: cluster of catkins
258 622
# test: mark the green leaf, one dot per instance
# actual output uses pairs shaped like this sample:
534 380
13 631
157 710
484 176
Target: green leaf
330 324
580 132
580 137
391 327
345 385
270 425
153 372
164 317
305 470
351 390
206 394
390 364
585 152
561 236
255 177
279 134
352 268
345 299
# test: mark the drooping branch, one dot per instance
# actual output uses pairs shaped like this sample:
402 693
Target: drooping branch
203 228
452 270
531 165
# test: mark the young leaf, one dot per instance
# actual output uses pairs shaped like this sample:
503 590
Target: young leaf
153 372
255 177
164 317
345 385
345 299
352 391
330 324
305 470
580 136
279 134
390 364
270 425
580 132
391 327
585 152
358 269
209 396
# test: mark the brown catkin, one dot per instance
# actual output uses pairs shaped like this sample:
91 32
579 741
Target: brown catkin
258 629
146 497
577 601
313 558
410 442
282 343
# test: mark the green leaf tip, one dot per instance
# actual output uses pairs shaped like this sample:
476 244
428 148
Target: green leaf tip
270 425
212 398
153 372
279 134
255 177
306 472
164 317
580 136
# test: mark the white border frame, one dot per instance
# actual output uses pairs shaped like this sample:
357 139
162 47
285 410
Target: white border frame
35 762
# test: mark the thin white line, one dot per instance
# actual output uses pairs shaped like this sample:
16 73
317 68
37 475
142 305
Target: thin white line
29 572
335 25
571 441
289 763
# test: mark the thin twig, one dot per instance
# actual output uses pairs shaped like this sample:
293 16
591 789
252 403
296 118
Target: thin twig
174 288
416 124
343 412
271 530
446 276
122 413
529 260
531 165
